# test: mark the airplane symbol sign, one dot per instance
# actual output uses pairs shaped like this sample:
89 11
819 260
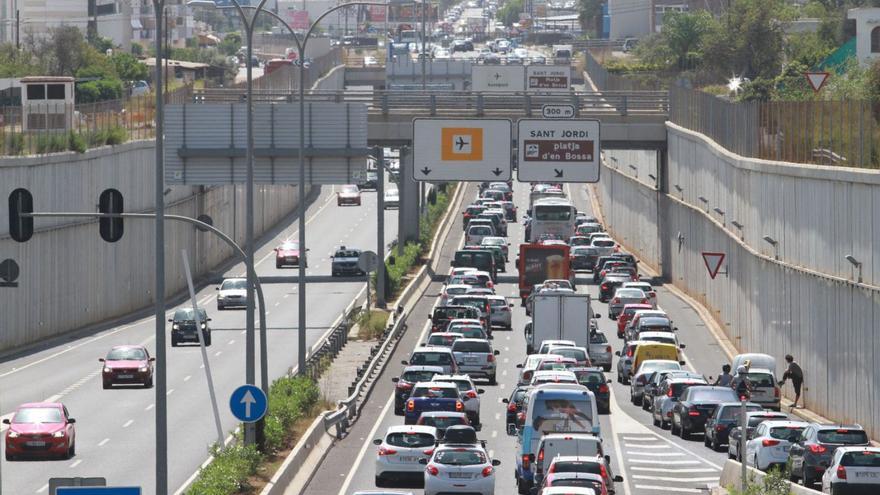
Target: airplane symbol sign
461 143
447 149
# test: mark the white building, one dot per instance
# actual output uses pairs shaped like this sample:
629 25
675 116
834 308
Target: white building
181 24
20 18
867 34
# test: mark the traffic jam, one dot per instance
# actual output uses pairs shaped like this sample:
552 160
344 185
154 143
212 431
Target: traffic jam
567 275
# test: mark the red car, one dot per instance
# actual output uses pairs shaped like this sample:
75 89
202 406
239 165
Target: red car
127 365
348 195
628 311
287 254
40 429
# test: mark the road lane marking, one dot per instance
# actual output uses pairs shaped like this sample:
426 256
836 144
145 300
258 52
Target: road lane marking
367 443
187 377
674 480
671 470
645 446
103 442
150 407
670 462
218 353
494 433
76 463
42 488
170 392
128 423
658 454
669 489
645 438
231 342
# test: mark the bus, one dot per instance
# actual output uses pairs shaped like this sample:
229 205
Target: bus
556 216
552 408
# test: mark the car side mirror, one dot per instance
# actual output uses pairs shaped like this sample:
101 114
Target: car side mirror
404 363
682 363
608 459
682 346
100 360
209 319
519 366
422 344
71 421
275 249
7 421
170 320
597 316
423 461
451 262
216 288
377 441
674 329
497 352
617 353
152 360
531 457
618 479
308 249
395 379
505 401
609 380
510 305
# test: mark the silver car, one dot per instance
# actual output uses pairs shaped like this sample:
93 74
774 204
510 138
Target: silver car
501 314
232 294
600 351
666 397
640 376
622 297
476 358
470 395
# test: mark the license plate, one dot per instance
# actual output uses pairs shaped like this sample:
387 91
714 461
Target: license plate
34 443
471 360
866 474
460 476
125 376
409 458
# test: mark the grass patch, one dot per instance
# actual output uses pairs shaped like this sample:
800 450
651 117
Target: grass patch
775 482
371 325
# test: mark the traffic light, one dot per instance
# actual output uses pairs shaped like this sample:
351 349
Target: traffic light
21 228
110 201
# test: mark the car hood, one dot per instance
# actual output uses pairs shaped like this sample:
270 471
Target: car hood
125 364
233 292
38 428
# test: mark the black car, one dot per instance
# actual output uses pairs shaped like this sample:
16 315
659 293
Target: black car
481 259
582 257
470 213
514 406
601 260
370 181
610 284
345 262
719 424
594 379
462 46
183 327
442 315
811 454
690 413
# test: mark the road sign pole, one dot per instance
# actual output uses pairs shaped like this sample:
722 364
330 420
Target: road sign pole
197 316
742 443
380 227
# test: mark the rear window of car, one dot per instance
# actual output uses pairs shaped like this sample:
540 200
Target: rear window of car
460 346
480 230
571 352
441 422
459 457
436 392
475 210
347 254
843 436
410 440
789 433
867 458
756 420
733 412
418 376
598 338
603 243
678 388
576 467
498 303
719 395
431 358
585 377
630 293
441 340
761 379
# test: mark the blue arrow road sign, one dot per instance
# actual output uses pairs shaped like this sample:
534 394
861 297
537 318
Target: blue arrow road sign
98 490
248 403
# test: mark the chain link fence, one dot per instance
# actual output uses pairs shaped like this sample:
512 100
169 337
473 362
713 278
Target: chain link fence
821 132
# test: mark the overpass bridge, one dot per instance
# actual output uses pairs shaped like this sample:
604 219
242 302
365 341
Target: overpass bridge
630 119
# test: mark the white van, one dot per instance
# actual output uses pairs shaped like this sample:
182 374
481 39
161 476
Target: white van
565 444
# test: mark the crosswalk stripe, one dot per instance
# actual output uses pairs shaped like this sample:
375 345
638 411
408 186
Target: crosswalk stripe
647 446
656 488
652 461
643 438
654 453
673 470
674 480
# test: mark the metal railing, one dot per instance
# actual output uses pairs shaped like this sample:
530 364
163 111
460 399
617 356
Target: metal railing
467 103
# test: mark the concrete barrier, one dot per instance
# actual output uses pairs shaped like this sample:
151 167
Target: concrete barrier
731 477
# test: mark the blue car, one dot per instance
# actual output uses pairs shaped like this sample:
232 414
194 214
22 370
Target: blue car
431 396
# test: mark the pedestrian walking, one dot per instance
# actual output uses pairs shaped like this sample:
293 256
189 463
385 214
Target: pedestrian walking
796 374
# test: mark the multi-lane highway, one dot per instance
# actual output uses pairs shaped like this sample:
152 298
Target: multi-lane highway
650 460
115 428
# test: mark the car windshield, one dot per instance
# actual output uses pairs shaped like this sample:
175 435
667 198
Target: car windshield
657 338
459 457
714 395
576 467
579 482
570 352
436 392
553 213
187 314
347 254
418 376
32 415
470 332
441 422
562 415
471 346
788 433
843 436
590 377
758 419
493 241
463 385
475 210
598 338
289 246
480 230
431 358
442 340
349 189
234 284
410 440
761 379
127 354
603 243
733 412
630 293
659 366
867 458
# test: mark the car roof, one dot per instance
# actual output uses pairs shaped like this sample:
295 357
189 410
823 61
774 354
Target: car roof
433 384
412 428
551 373
473 340
445 334
450 414
572 436
566 490
421 367
668 335
458 286
128 346
557 342
771 423
647 320
46 405
685 379
431 348
440 378
863 448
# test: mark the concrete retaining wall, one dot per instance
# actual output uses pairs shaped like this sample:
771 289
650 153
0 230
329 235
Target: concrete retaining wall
803 304
70 277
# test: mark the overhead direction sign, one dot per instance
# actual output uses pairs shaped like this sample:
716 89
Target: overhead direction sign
548 78
558 150
248 403
461 149
98 490
817 79
488 78
713 263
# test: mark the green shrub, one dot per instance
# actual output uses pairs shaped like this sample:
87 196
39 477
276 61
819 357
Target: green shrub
290 399
51 143
116 135
402 265
15 144
229 471
76 142
372 324
775 482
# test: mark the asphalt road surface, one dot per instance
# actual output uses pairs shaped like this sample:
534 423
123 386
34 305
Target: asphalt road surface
650 459
116 428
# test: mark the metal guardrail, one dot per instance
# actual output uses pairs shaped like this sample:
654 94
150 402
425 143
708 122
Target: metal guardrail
390 103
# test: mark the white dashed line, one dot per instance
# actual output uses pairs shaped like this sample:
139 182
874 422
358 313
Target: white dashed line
669 489
150 407
667 478
42 488
218 353
630 452
645 446
652 461
231 342
128 423
187 377
669 470
170 392
76 463
103 442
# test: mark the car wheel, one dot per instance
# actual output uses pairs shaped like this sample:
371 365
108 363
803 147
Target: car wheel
683 432
173 341
278 265
208 340
149 383
706 441
664 425
380 482
716 445
477 420
632 398
806 479
493 380
107 385
655 420
72 451
10 457
673 428
645 404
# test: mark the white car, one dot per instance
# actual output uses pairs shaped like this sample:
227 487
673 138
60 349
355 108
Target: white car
400 451
567 490
547 344
476 233
579 354
392 198
529 366
553 376
771 442
853 470
646 288
470 394
232 294
452 290
622 297
455 469
501 314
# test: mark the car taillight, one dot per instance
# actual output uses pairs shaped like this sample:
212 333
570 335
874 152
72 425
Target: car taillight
616 300
719 427
603 389
841 472
769 443
629 352
693 412
471 394
432 470
526 464
541 455
602 471
490 358
505 308
404 385
604 286
511 407
488 285
669 393
428 452
817 449
642 379
644 301
776 392
410 405
487 471
459 406
386 451
552 469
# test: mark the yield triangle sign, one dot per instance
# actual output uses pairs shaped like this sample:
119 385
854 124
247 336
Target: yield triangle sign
713 263
817 79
